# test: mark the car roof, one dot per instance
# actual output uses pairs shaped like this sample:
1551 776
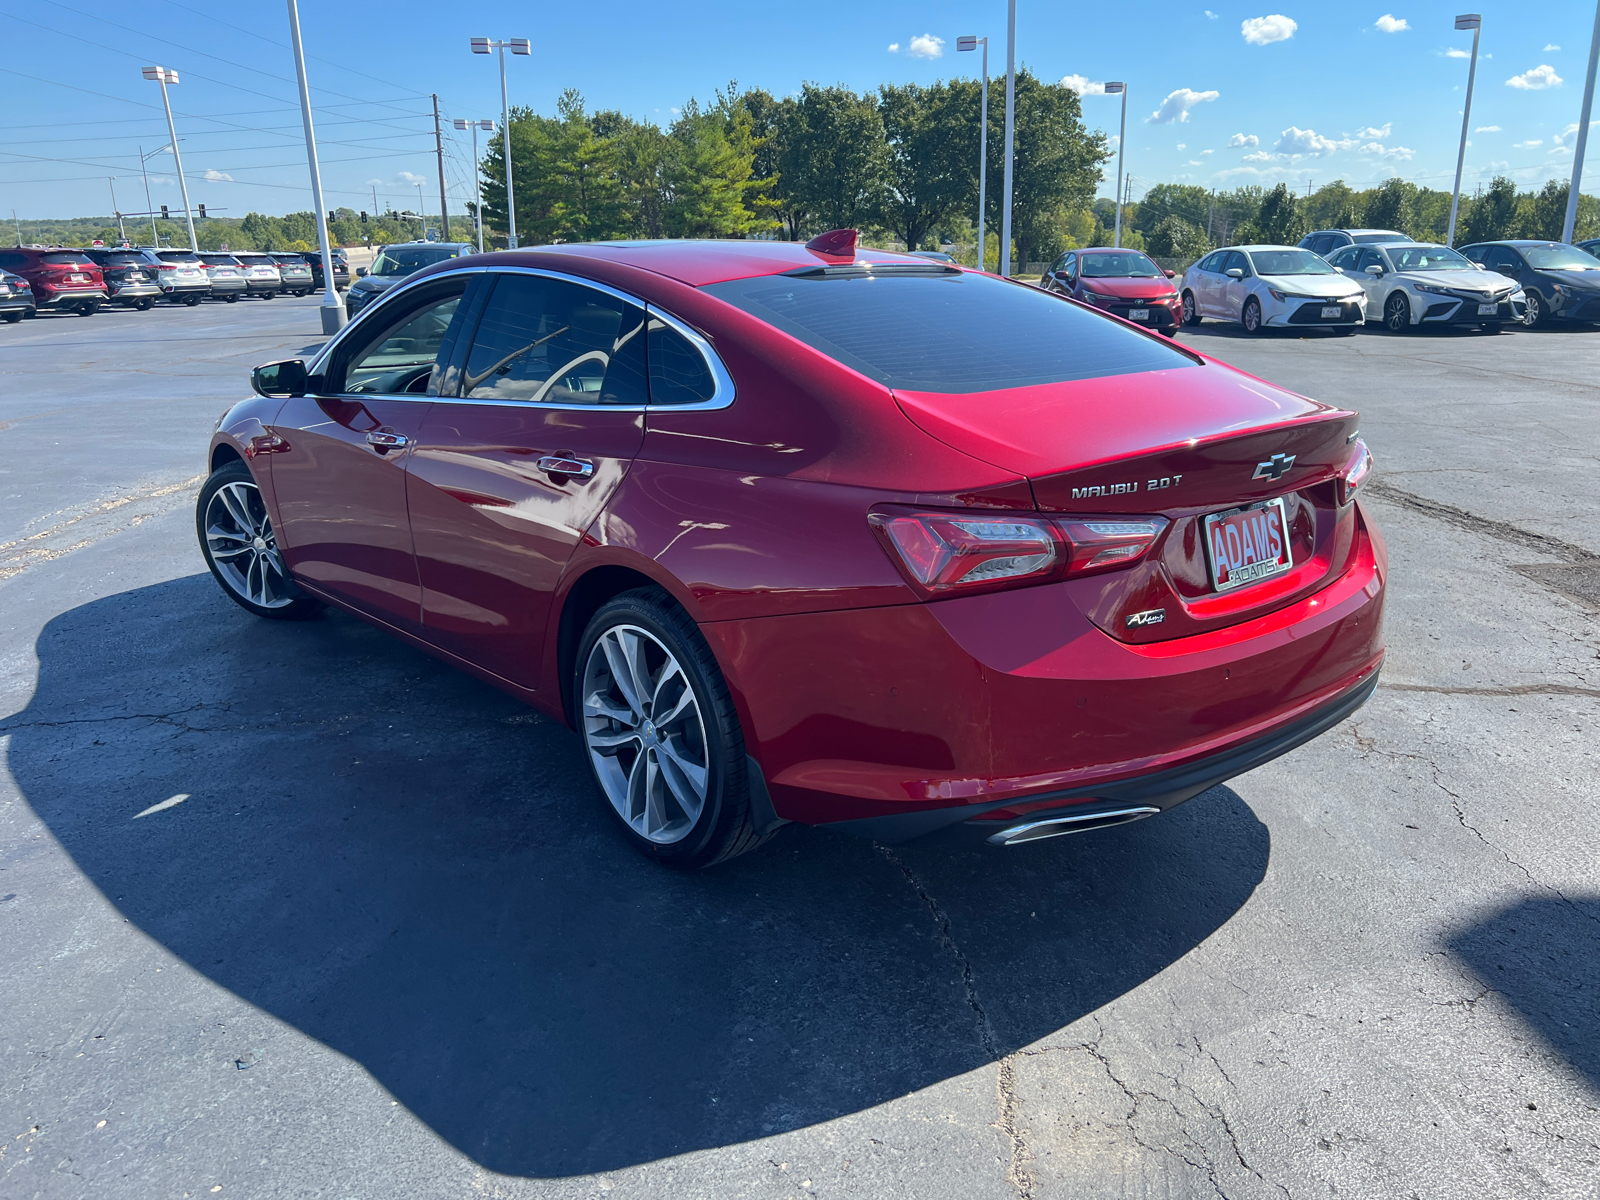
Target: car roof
698 262
1112 249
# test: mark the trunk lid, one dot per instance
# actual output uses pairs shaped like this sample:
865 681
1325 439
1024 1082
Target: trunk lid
1182 443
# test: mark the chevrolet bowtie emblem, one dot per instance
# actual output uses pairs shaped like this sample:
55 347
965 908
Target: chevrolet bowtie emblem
1275 467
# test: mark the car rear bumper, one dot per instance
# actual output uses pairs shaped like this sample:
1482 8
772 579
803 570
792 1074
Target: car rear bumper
13 303
229 285
915 717
67 297
264 285
133 291
184 289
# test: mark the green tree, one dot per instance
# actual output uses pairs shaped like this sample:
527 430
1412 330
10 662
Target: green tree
1185 200
709 173
836 159
1492 216
1333 206
933 147
1546 211
1392 206
1177 238
1278 221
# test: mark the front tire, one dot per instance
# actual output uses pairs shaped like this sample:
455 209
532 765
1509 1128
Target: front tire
1397 314
1538 313
1345 331
241 549
661 734
1250 317
1191 314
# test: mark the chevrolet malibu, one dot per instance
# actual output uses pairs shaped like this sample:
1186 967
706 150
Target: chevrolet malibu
818 534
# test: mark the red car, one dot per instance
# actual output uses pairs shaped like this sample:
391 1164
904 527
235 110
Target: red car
62 279
1126 283
804 533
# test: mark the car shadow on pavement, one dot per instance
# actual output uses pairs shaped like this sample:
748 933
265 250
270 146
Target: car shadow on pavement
1542 955
414 869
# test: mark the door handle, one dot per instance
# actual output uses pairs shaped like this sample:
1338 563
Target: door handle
388 441
555 464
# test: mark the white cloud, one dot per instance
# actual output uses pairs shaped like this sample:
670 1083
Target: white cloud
1375 131
1537 80
1194 162
1261 156
1082 86
215 176
1559 150
408 177
1390 24
1392 153
1487 129
894 47
1113 142
1528 145
1177 105
1308 142
1552 46
1244 139
1183 145
1210 15
1455 52
1207 152
926 46
1262 31
1560 139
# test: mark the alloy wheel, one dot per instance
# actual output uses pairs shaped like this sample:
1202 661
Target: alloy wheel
645 734
240 541
1535 309
1189 317
1251 319
1397 314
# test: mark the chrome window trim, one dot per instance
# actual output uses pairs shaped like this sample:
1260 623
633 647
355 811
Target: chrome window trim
721 397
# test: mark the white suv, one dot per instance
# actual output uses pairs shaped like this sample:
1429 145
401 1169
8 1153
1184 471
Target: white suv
1417 283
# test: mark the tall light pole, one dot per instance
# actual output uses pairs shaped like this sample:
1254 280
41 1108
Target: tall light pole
422 213
1473 22
1011 112
333 310
1568 227
972 42
516 46
477 179
1122 146
121 232
163 76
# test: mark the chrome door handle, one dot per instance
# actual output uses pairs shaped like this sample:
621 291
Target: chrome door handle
554 464
388 441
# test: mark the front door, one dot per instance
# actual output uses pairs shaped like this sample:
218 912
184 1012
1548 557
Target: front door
339 474
1232 293
508 472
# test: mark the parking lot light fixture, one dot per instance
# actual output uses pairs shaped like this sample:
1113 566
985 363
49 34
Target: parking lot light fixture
1569 225
972 42
334 315
477 177
1473 22
1113 89
482 45
1011 113
165 76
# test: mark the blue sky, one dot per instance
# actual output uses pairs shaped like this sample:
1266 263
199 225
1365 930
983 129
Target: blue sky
1219 97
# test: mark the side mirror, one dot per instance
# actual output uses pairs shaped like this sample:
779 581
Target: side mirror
1374 270
1172 274
361 272
1234 273
280 380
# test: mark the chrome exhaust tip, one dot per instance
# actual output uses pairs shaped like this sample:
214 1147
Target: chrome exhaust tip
1064 823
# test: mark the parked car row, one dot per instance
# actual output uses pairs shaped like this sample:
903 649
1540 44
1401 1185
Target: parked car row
82 281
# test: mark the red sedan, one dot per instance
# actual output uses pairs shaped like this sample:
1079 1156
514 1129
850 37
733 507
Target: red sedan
1126 283
807 533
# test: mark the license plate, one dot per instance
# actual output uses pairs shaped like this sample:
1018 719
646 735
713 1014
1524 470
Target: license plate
77 279
1332 312
1138 314
1247 545
1488 310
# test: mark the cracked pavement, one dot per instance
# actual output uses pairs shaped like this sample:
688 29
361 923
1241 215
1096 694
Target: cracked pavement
375 940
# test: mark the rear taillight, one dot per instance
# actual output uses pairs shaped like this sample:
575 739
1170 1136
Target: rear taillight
1355 473
946 552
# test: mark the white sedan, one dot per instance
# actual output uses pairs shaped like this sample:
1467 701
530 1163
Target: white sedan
1278 287
1412 284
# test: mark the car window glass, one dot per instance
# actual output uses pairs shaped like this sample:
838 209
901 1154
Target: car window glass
678 372
13 260
1236 261
178 256
1498 258
956 333
66 258
1346 258
401 359
1289 262
1427 258
1118 264
1558 258
1369 258
403 260
544 340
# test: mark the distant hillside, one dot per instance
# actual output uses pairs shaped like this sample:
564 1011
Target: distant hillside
253 231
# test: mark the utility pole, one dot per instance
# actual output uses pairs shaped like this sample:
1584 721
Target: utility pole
19 226
1011 120
422 213
334 315
1473 22
438 146
1568 227
155 239
1210 215
121 232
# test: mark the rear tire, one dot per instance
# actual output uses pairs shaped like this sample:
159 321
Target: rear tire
268 295
680 789
232 297
239 546
1250 316
1191 314
145 305
191 301
13 317
88 310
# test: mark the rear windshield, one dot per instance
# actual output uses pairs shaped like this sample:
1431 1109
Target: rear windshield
254 260
177 256
221 260
1120 264
289 260
952 333
1377 235
123 260
63 257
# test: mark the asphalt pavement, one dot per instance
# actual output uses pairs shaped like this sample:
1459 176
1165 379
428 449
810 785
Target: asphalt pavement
377 938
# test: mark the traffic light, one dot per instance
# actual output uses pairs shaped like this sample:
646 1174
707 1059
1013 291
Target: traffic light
202 212
164 216
330 218
363 216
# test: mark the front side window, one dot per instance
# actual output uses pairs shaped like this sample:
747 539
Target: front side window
1498 258
1369 258
951 332
549 341
1289 262
1346 258
401 359
1236 261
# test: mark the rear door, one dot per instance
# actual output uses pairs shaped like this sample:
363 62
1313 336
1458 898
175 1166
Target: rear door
542 418
339 466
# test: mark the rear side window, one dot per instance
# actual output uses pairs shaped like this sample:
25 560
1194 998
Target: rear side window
951 333
66 258
544 340
678 372
13 260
